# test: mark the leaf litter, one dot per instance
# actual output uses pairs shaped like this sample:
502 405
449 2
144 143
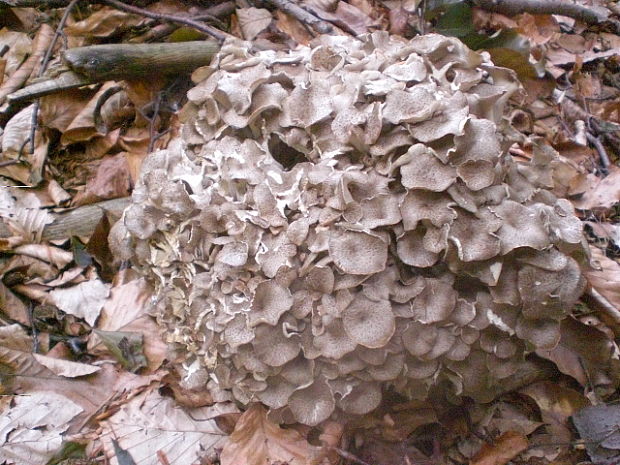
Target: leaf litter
43 405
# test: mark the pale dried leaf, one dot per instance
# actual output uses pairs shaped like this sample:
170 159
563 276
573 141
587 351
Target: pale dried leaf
91 393
16 132
258 441
125 310
82 126
150 426
47 253
601 194
557 404
606 280
253 21
65 368
84 300
502 450
19 45
102 23
112 180
31 430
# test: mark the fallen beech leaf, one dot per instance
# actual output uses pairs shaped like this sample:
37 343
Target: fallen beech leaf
606 280
258 441
601 194
505 448
102 23
556 404
598 427
65 368
253 21
584 352
291 26
54 255
111 181
84 300
31 429
125 310
150 426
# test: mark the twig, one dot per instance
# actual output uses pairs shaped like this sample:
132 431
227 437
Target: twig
287 6
35 3
156 31
43 66
65 81
541 7
602 153
21 75
213 32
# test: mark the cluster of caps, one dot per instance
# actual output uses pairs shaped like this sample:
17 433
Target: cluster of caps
343 219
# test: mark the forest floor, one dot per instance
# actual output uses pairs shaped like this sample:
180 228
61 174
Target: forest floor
84 375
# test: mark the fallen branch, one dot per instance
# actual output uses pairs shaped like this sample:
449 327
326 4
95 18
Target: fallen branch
542 7
209 30
79 222
64 81
287 6
43 68
98 63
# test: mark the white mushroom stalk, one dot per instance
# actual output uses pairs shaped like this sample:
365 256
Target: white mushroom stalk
342 219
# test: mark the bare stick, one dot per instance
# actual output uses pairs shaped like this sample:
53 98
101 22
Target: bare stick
287 6
602 153
541 7
44 62
215 33
65 81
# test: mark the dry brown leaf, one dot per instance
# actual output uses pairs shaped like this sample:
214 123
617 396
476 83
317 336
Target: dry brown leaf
293 27
90 393
601 194
103 23
84 300
12 306
557 404
539 29
136 140
31 431
58 110
39 46
82 127
134 162
16 132
585 353
112 180
50 254
65 368
19 47
98 146
258 441
150 426
606 280
504 448
253 21
125 310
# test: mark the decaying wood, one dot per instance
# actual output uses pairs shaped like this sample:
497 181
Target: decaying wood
542 7
98 63
64 81
79 222
130 61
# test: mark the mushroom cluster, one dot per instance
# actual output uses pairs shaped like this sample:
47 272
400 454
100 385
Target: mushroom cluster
343 219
